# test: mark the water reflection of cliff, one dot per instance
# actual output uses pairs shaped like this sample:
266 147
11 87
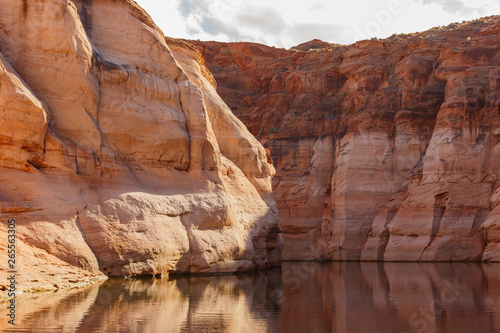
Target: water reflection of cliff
390 297
240 303
302 297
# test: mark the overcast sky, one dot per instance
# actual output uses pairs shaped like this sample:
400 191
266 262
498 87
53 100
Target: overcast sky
285 23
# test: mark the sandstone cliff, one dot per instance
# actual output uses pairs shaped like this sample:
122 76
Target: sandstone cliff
385 149
117 156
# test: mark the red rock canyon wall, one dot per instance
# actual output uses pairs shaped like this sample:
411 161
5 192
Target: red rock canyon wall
385 149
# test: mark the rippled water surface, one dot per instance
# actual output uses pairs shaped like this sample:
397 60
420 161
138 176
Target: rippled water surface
301 297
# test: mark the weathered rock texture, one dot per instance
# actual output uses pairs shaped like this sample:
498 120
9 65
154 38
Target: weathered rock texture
385 149
117 156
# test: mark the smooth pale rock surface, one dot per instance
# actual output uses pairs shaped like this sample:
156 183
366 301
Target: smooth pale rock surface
117 156
384 149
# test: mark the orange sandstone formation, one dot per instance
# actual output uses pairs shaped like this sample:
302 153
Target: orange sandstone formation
117 156
385 149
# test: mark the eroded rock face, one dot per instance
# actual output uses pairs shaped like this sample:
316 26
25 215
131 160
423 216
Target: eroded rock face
117 154
385 149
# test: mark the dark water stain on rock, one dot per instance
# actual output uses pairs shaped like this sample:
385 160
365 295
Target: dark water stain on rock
25 9
86 15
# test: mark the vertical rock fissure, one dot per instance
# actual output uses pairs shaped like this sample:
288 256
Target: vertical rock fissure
440 201
84 236
439 209
186 256
186 115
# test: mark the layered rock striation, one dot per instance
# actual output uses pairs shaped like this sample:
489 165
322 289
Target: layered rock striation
117 156
384 149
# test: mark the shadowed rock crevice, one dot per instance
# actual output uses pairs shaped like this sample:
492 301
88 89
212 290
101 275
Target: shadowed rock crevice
85 12
440 201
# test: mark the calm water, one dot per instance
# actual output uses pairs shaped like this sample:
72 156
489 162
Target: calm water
301 297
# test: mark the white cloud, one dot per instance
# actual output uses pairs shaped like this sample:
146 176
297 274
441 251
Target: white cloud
290 22
459 6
